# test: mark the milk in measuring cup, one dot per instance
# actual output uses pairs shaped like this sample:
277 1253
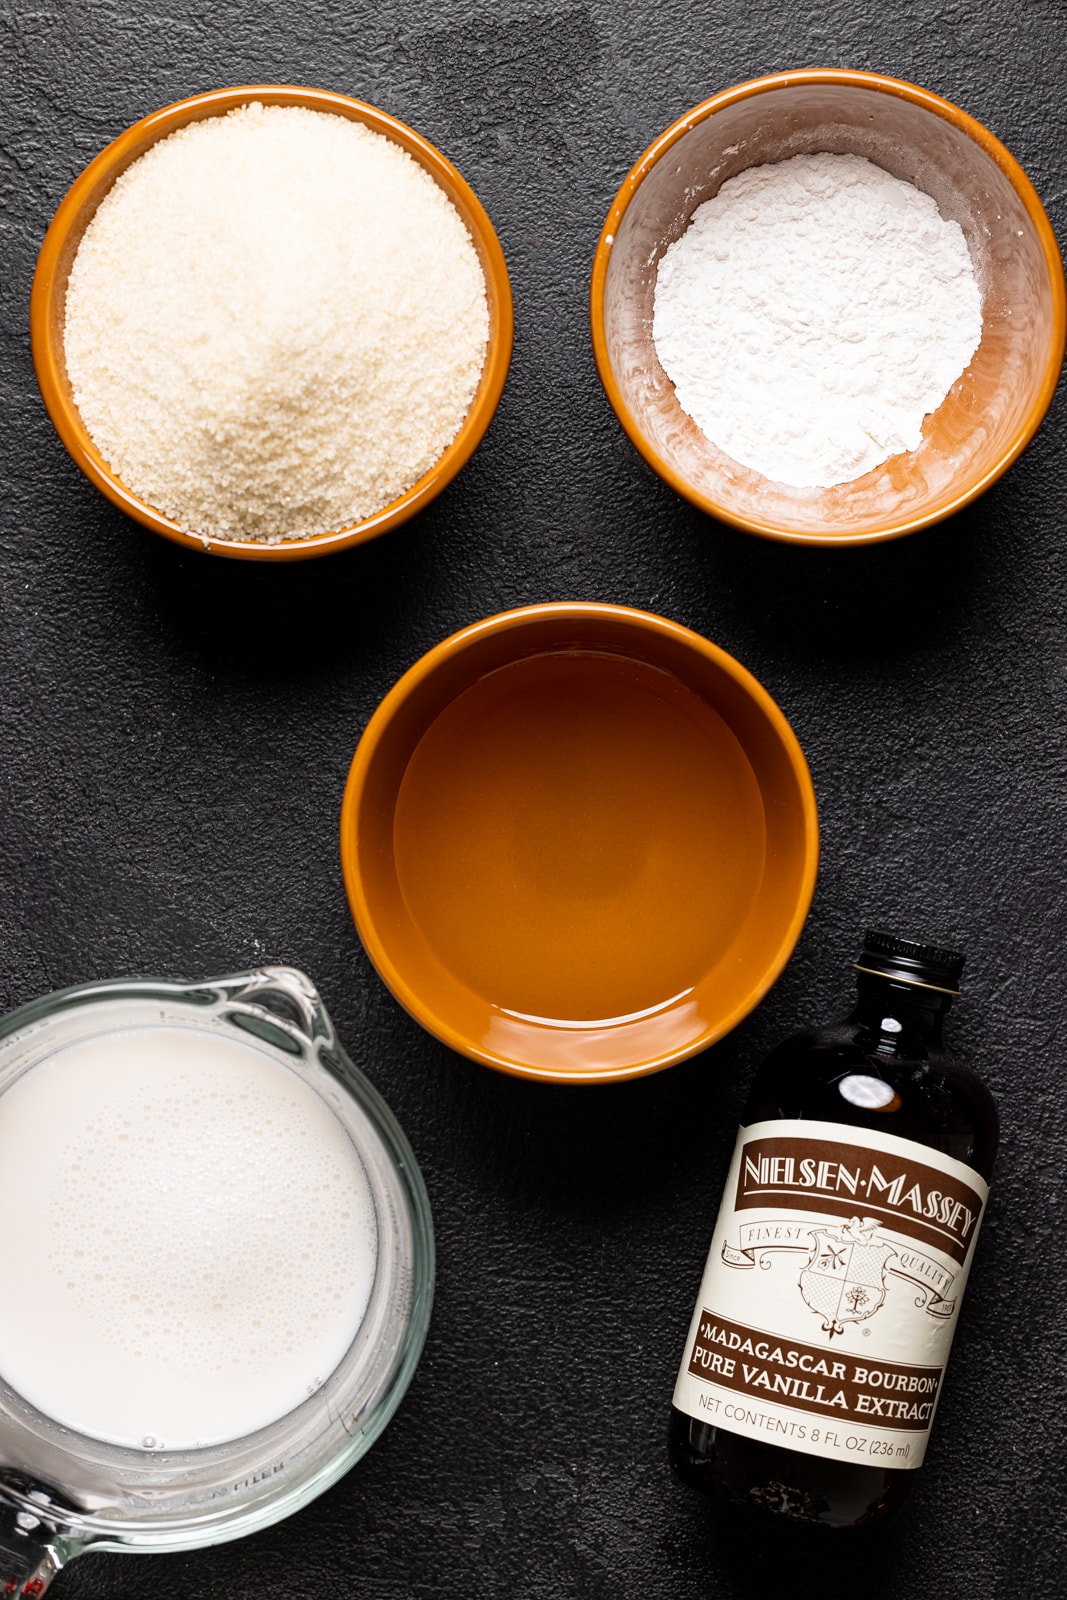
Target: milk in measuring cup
190 1241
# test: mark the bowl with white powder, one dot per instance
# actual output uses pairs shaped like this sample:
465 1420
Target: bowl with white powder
828 307
271 322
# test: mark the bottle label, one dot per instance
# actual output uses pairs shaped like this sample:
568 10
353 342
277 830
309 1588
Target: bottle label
830 1296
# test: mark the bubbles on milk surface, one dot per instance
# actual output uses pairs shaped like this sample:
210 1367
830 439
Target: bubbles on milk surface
204 1223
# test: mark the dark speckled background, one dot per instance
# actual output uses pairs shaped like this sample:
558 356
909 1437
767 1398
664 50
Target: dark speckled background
176 733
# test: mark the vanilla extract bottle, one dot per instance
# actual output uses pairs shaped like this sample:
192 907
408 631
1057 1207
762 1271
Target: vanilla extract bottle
817 1350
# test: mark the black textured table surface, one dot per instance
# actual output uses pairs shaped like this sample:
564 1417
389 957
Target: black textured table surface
176 732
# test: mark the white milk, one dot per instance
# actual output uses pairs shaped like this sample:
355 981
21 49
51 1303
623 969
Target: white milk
189 1243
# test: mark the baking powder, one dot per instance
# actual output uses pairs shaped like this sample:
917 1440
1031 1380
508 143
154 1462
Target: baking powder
813 314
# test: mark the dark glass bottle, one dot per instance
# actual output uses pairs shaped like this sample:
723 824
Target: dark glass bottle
882 1069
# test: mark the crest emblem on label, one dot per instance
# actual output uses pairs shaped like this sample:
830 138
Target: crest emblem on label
844 1277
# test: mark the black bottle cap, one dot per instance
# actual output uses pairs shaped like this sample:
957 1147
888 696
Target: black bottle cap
930 965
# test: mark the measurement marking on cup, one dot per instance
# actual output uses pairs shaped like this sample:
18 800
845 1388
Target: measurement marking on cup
259 1477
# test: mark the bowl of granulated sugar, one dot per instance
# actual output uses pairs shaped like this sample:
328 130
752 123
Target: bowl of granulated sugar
828 307
271 322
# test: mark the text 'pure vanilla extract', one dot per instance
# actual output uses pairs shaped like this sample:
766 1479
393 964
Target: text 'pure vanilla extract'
817 1350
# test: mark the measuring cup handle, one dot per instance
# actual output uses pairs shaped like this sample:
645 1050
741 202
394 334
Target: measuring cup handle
26 1581
28 1563
39 1533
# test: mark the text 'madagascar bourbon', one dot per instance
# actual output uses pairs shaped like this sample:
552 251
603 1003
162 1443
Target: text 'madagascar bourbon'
904 1194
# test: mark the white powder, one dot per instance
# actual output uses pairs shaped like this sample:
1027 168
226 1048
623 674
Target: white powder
275 324
813 313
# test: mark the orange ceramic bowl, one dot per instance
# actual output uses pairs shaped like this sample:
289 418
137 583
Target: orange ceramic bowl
579 842
60 246
990 414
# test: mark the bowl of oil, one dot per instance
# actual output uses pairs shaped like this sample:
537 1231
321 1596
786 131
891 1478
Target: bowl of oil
579 842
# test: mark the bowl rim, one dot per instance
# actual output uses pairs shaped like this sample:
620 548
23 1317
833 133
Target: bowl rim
376 731
46 310
877 83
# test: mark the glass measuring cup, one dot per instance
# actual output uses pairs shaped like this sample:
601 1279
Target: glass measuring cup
63 1493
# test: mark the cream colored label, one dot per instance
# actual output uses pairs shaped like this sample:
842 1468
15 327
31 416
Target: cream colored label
830 1296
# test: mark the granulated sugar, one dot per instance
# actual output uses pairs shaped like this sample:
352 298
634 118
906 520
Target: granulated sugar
275 324
813 314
